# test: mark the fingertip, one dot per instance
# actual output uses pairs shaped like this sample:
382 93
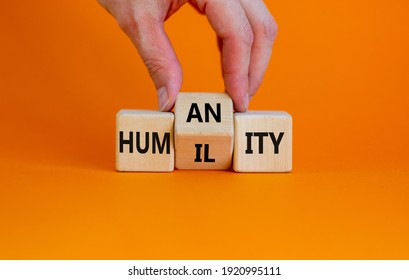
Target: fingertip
166 101
241 104
167 106
163 99
174 86
167 94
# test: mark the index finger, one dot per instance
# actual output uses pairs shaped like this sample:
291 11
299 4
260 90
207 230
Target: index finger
230 22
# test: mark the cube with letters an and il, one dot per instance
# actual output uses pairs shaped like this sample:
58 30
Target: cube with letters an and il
204 131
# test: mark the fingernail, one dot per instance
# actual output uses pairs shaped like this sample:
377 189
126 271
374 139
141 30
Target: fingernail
163 99
246 104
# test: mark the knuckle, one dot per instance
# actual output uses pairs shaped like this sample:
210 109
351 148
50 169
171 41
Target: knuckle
133 20
270 28
201 4
128 23
156 66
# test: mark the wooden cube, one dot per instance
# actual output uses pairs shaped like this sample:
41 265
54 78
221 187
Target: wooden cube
262 142
144 141
204 131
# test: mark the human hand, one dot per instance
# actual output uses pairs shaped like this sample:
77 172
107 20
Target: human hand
245 28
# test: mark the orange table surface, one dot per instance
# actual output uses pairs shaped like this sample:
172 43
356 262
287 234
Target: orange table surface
341 70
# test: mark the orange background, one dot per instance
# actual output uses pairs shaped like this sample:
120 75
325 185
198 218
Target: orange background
339 67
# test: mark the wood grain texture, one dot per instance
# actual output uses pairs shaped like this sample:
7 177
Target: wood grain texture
144 141
195 124
263 142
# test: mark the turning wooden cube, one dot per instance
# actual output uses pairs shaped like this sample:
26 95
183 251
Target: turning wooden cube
144 141
263 142
204 131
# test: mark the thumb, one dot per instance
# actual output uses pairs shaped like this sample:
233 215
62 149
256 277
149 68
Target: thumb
157 53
